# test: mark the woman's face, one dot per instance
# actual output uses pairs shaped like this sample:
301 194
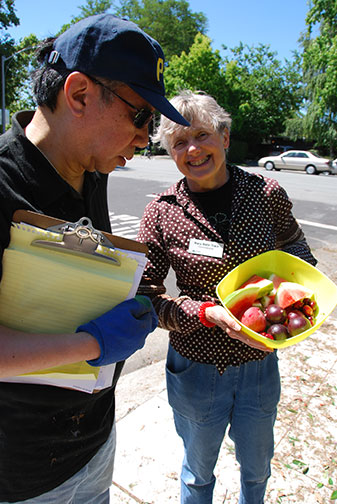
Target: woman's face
200 155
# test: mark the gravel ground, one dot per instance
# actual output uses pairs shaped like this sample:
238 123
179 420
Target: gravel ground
327 263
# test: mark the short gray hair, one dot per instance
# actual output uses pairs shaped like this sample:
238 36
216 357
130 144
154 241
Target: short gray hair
192 106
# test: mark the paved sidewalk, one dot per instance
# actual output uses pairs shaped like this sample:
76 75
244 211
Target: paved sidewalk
304 468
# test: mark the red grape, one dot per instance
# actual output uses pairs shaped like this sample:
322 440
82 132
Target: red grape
275 314
297 325
295 313
278 331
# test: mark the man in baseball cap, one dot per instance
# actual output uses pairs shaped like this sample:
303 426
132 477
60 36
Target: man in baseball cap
116 49
96 90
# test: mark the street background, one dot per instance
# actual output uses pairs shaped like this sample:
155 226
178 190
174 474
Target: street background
314 198
149 453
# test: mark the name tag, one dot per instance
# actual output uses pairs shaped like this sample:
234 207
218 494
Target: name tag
206 248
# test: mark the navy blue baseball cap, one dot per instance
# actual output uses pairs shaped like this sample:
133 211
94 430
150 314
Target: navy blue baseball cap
107 46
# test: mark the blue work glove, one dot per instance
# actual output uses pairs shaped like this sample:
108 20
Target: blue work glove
122 330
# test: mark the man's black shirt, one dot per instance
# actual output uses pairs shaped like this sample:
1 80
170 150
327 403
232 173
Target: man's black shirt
46 433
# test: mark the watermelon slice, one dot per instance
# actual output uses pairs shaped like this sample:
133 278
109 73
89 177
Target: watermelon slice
277 280
289 293
241 299
267 300
264 285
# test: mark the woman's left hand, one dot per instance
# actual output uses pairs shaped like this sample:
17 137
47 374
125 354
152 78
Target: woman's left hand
219 316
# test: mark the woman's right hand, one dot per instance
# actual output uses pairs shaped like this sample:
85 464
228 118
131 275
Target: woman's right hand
220 317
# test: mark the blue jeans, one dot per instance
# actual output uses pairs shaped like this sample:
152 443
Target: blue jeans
90 485
205 403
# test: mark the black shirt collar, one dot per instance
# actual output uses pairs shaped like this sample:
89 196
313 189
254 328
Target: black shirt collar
34 166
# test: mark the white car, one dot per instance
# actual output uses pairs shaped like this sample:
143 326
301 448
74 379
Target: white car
297 160
334 167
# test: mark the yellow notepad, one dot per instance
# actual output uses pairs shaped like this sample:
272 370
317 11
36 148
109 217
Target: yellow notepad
49 290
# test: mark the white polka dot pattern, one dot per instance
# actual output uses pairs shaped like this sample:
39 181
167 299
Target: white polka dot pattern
261 220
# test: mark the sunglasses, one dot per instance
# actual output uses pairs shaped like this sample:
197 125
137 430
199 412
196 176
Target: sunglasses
142 117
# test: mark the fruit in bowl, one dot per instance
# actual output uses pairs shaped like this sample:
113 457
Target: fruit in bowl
298 324
279 266
254 318
278 332
275 314
273 307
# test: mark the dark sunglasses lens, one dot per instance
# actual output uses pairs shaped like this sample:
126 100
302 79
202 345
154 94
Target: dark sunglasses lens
142 118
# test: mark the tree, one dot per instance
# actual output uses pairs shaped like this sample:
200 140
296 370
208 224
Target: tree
21 55
264 93
16 65
199 69
91 8
18 70
171 22
252 85
7 16
320 74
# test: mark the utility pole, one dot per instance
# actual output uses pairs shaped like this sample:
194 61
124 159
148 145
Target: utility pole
3 101
3 84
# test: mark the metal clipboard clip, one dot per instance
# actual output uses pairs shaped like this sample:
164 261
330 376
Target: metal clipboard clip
79 238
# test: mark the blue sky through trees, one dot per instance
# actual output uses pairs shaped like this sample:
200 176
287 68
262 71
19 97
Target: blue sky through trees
278 23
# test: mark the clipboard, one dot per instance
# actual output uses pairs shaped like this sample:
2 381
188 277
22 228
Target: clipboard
58 275
45 222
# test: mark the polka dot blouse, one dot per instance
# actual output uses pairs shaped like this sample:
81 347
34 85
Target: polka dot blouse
261 220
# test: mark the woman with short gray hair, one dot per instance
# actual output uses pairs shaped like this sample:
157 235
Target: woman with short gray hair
197 106
209 222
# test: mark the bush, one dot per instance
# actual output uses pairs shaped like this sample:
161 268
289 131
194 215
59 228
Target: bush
237 151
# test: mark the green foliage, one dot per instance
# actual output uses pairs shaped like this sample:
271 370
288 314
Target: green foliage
17 62
320 74
7 16
253 86
294 127
18 69
199 69
95 7
171 22
238 151
91 8
322 11
264 96
264 93
21 56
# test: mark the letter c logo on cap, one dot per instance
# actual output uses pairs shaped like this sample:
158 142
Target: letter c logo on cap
160 67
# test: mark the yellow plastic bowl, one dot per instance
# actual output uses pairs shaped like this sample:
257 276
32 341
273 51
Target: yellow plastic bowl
292 269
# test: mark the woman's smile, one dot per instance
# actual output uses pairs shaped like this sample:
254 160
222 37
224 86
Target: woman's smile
199 162
200 154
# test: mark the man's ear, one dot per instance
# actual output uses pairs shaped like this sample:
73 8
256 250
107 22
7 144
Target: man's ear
77 88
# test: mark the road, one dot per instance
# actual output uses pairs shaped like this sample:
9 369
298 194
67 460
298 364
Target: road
132 187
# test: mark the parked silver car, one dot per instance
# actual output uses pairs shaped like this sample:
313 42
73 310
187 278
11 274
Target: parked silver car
297 160
334 167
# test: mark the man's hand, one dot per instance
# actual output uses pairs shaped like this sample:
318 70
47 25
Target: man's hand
122 330
219 316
